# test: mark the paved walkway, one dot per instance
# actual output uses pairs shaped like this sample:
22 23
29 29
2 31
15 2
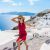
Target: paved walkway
35 43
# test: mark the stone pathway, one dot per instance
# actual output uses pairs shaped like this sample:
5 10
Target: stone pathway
35 43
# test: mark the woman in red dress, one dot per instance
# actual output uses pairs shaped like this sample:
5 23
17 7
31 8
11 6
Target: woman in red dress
22 30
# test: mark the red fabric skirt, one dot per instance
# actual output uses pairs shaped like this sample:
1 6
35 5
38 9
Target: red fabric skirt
22 37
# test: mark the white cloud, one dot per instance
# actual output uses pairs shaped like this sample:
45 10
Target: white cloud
12 3
35 0
5 10
15 4
20 4
32 2
6 0
2 10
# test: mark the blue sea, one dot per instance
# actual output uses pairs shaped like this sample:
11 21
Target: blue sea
5 20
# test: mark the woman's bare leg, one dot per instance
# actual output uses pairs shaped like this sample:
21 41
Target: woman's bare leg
26 45
18 43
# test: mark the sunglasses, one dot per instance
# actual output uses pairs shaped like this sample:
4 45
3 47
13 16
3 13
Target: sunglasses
19 18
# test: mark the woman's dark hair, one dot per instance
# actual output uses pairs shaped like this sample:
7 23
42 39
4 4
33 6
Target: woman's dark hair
20 16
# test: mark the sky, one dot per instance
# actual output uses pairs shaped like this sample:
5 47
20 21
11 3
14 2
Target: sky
33 6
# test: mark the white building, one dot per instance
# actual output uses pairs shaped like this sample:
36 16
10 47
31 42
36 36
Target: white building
40 25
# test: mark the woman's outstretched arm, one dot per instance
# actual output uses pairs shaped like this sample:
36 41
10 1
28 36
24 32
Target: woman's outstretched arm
28 24
14 20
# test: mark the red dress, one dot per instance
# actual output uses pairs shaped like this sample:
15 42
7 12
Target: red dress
22 32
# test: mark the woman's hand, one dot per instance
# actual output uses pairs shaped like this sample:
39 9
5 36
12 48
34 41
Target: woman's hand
28 24
14 20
